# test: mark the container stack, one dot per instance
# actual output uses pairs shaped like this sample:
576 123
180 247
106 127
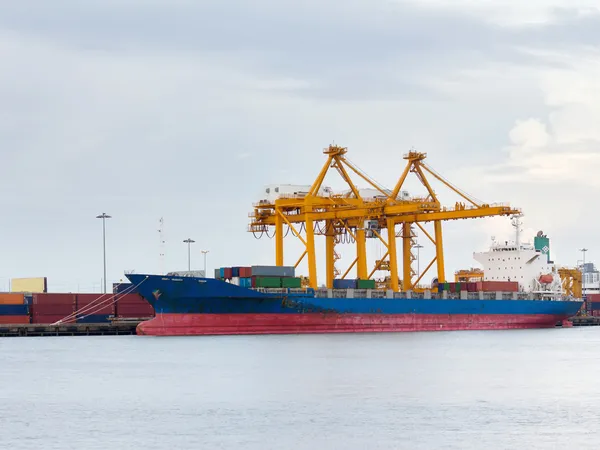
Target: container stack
95 308
13 308
49 308
343 283
132 305
593 304
480 286
260 276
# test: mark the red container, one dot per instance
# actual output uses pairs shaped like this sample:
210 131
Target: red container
245 272
593 298
471 287
133 305
135 299
14 319
49 318
54 299
503 286
228 273
52 309
96 304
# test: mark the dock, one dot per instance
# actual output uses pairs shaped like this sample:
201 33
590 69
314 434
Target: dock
585 321
71 329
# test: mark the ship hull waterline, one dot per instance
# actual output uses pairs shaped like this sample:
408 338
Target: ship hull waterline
190 324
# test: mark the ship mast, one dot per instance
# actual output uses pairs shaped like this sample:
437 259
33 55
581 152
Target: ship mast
516 222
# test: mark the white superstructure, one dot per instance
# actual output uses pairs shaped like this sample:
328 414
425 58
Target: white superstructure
521 262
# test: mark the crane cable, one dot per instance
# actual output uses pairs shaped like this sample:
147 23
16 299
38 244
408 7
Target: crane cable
97 307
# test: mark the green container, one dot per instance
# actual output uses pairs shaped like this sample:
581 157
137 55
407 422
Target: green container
268 282
289 282
365 284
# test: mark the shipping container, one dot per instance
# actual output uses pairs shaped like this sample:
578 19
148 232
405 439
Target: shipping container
49 319
235 272
96 304
235 281
245 272
95 318
217 274
39 284
266 282
595 306
54 299
12 298
593 298
222 273
493 286
228 273
342 283
131 299
365 284
289 282
15 319
133 305
471 287
246 282
14 310
52 309
273 271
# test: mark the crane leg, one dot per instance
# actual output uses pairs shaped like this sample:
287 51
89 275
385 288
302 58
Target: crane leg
278 240
361 254
391 230
310 248
330 249
439 251
406 257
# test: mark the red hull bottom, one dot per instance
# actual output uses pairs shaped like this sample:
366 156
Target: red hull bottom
230 324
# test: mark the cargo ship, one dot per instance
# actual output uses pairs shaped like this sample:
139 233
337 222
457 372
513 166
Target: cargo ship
522 288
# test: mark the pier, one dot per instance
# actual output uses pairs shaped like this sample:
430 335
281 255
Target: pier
126 327
585 321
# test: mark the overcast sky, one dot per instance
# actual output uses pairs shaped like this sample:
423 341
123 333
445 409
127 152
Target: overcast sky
184 110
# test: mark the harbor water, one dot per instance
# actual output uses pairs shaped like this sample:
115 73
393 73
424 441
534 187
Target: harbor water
534 389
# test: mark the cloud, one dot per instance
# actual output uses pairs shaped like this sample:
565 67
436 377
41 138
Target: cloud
141 108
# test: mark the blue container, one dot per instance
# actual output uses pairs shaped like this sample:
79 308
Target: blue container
344 284
222 272
235 271
14 310
246 282
94 318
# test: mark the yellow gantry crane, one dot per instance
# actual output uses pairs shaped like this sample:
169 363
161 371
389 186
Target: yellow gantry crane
352 217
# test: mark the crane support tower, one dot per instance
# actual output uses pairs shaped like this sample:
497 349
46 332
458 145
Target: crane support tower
354 215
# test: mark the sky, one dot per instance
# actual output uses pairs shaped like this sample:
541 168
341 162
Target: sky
184 110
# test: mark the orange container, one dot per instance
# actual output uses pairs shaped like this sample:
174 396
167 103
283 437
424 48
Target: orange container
12 298
14 319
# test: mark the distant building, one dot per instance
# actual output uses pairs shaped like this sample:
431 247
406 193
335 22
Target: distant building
590 278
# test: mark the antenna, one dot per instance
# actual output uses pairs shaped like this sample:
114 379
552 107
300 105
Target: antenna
161 245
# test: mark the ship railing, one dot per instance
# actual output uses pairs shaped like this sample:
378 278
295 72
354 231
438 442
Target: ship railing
378 293
360 293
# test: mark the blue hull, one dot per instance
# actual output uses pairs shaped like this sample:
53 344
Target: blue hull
172 295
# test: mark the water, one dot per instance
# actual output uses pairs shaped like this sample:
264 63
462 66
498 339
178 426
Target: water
533 389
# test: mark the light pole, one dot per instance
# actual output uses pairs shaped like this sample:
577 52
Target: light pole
189 242
583 250
418 246
204 252
104 216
